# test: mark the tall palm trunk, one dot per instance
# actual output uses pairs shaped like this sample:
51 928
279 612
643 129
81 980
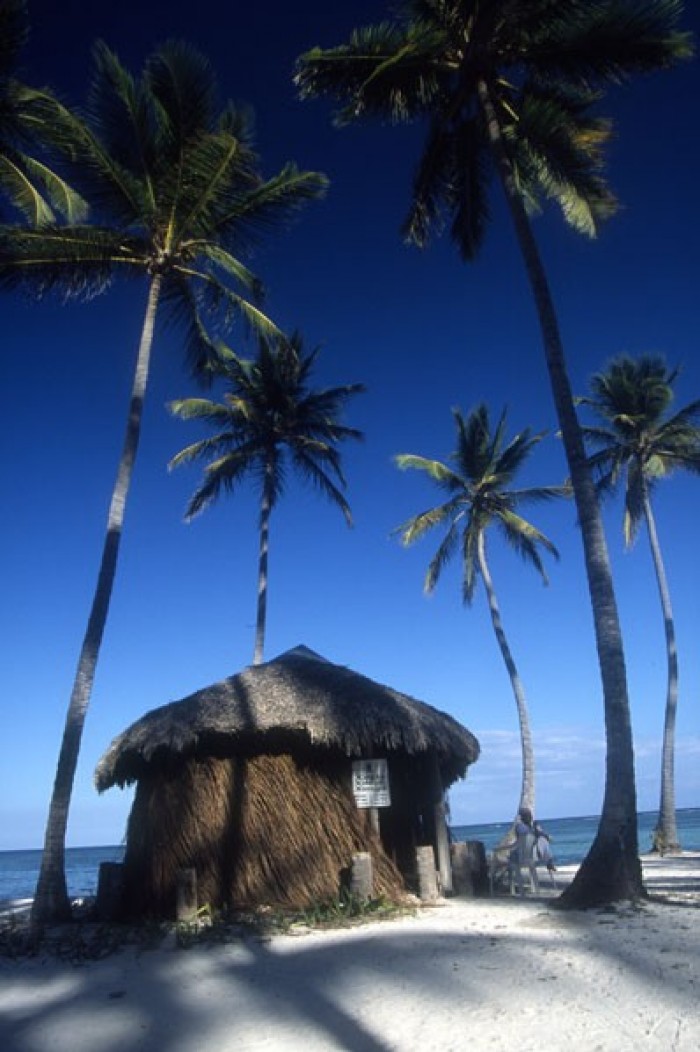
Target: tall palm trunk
611 869
265 509
51 902
527 787
665 833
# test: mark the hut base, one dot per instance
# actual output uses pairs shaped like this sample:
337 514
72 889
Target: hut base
268 830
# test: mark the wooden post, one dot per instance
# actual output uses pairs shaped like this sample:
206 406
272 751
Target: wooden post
469 868
186 908
374 819
362 878
427 874
442 839
461 870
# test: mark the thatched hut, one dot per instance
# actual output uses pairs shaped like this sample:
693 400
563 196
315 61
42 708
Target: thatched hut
250 782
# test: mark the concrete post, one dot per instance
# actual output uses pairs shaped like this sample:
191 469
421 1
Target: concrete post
362 877
186 907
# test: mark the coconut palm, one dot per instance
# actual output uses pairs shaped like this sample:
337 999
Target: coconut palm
270 414
506 87
479 496
30 120
175 188
639 444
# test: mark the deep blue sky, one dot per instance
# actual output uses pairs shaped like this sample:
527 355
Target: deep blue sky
424 333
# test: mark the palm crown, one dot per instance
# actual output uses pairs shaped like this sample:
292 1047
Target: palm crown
269 409
175 190
639 441
533 67
480 495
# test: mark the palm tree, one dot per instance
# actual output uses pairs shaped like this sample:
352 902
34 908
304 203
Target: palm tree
269 414
479 497
637 445
30 119
175 187
507 88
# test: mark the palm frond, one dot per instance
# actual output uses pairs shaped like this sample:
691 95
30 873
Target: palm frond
556 145
452 179
182 81
311 470
199 409
57 193
231 266
382 70
128 140
200 292
446 549
474 453
414 528
524 546
470 559
435 469
223 474
520 531
204 449
270 203
22 190
607 43
432 186
212 177
473 169
77 261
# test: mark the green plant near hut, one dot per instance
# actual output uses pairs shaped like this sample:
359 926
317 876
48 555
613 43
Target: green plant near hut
507 88
347 907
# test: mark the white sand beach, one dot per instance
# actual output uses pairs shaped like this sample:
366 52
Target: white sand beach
493 974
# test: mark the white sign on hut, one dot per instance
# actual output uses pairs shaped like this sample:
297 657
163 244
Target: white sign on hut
370 783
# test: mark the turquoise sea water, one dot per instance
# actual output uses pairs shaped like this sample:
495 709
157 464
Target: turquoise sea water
571 839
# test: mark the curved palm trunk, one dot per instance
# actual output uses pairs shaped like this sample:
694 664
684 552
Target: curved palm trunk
666 833
611 869
265 509
527 787
51 902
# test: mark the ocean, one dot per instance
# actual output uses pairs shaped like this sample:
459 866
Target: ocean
570 839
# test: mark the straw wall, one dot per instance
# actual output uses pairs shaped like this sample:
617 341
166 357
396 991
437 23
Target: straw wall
269 830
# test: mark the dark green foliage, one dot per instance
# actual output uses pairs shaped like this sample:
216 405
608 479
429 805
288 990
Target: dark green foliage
175 190
269 410
32 122
480 495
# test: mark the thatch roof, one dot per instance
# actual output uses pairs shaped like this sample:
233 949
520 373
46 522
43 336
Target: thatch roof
292 703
